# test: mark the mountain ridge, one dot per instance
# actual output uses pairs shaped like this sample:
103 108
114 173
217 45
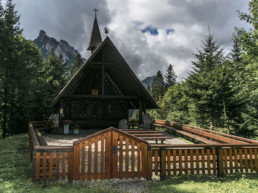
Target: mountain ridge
148 81
46 43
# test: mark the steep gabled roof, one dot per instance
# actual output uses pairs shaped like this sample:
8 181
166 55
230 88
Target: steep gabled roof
118 68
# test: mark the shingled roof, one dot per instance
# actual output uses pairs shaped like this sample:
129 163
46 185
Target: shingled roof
118 69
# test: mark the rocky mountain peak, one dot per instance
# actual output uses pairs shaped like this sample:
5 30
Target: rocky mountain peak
42 33
46 43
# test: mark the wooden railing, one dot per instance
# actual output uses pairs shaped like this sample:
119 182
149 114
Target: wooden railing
165 160
60 162
232 154
210 134
49 162
53 163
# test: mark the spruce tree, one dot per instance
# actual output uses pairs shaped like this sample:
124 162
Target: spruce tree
10 32
236 51
56 76
77 63
175 104
170 77
2 72
158 86
201 89
20 61
248 123
230 98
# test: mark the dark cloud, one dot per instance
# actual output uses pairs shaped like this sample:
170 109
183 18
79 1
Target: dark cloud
62 19
180 26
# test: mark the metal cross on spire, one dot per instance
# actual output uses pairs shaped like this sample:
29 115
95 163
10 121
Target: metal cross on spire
95 11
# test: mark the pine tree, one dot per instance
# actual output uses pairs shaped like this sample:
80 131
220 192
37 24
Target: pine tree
77 63
10 32
2 73
55 72
201 89
20 61
170 77
236 51
230 98
175 104
158 86
248 122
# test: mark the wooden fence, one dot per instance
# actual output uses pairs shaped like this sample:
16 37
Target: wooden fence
112 153
49 162
202 159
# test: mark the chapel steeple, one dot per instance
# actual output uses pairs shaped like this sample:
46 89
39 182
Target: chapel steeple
95 39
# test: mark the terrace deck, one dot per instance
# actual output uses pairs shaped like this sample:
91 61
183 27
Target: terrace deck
152 136
190 135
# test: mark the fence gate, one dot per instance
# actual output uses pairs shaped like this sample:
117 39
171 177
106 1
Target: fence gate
110 153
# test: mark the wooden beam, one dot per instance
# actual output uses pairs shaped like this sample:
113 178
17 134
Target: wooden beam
102 63
98 96
131 103
144 106
103 80
140 114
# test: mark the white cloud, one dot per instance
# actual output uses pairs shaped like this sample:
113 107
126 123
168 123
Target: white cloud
145 53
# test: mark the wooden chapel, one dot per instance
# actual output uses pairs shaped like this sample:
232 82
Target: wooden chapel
103 90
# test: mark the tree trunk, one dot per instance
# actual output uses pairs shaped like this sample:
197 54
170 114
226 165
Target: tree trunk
11 120
225 114
4 110
211 124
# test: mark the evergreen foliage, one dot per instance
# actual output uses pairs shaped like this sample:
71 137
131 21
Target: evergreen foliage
220 92
170 77
176 104
236 51
55 72
248 122
158 86
19 60
77 63
26 84
201 86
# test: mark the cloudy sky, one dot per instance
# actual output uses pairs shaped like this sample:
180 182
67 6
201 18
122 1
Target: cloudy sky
149 34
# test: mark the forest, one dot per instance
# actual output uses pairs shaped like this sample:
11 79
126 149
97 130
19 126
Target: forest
221 91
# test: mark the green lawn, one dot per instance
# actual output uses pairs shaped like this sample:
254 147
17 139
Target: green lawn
210 184
15 171
15 176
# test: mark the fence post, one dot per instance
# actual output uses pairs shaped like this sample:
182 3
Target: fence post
70 166
220 168
34 164
76 162
149 163
162 156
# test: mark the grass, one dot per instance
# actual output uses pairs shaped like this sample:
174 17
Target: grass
15 177
15 171
203 184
